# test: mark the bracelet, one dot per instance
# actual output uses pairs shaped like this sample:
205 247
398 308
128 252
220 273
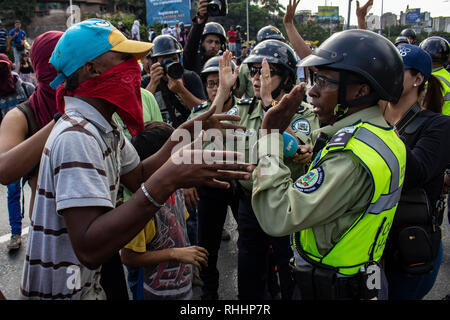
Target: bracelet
149 197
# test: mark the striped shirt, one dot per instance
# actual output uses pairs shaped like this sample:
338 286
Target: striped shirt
82 161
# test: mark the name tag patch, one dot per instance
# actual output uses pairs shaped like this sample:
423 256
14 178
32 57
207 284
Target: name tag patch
311 181
341 137
301 125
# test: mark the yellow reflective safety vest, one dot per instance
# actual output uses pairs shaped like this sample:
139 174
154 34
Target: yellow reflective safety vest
444 76
383 154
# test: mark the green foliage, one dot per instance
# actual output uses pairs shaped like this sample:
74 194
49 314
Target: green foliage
11 10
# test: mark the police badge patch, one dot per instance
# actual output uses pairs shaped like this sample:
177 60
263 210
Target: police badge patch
301 125
311 181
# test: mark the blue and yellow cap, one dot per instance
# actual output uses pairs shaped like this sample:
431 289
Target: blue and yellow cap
88 40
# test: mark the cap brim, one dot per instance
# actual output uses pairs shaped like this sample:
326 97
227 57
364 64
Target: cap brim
137 48
60 78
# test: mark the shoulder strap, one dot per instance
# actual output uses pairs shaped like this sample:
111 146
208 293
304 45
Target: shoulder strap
407 118
26 109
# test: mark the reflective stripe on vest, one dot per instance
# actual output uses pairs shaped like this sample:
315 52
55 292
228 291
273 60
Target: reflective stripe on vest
444 76
383 154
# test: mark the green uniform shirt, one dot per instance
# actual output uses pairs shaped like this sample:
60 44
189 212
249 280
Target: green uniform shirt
251 113
245 82
328 204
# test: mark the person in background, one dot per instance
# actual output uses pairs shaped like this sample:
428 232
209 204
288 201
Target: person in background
165 29
231 35
135 33
162 250
151 34
410 34
4 42
13 91
439 50
123 29
17 36
205 40
413 253
244 54
238 41
183 34
25 70
176 32
176 97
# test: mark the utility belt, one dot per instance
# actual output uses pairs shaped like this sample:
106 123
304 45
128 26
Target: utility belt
415 237
319 283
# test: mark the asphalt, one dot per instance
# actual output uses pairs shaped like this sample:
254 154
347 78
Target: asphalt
11 263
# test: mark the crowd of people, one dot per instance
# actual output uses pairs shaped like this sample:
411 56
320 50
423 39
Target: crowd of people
339 160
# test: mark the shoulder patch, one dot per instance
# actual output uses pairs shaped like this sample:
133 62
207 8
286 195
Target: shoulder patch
341 137
301 109
301 125
200 107
311 181
245 101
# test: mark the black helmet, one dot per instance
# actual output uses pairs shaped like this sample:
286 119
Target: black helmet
216 29
275 52
365 53
438 48
269 32
165 45
408 33
212 66
281 54
401 39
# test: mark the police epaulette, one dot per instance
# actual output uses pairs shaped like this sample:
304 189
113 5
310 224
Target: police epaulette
245 101
301 109
200 107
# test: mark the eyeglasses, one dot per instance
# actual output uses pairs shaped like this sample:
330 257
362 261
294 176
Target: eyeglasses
254 70
321 81
211 84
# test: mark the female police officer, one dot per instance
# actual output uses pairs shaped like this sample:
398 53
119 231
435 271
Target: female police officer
341 210
279 64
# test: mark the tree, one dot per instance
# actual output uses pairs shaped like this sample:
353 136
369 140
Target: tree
17 10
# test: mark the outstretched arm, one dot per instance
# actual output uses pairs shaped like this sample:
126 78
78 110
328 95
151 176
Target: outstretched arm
299 45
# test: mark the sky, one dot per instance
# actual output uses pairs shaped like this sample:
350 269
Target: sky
436 8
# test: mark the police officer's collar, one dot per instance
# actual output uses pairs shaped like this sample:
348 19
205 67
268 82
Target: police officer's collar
437 69
372 115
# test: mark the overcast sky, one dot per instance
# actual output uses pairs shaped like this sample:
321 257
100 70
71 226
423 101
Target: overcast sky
435 7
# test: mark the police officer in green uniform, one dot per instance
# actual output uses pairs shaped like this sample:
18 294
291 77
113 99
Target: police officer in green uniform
213 203
439 49
245 88
277 61
340 212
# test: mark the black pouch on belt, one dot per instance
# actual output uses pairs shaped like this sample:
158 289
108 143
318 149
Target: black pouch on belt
325 284
303 277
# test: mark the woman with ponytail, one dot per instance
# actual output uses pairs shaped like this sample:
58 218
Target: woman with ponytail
413 251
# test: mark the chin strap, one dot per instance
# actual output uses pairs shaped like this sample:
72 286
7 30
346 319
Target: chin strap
343 105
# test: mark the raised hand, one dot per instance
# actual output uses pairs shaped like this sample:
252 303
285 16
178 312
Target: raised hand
279 116
290 11
266 83
227 77
361 12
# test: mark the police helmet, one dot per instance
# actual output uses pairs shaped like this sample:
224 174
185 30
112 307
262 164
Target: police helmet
165 45
438 48
408 33
216 29
275 52
400 40
212 66
365 53
269 32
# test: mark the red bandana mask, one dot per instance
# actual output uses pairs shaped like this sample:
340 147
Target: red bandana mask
121 86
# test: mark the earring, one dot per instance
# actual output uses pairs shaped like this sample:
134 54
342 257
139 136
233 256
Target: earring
415 85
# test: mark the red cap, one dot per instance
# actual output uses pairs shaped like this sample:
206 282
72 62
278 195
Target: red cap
4 58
